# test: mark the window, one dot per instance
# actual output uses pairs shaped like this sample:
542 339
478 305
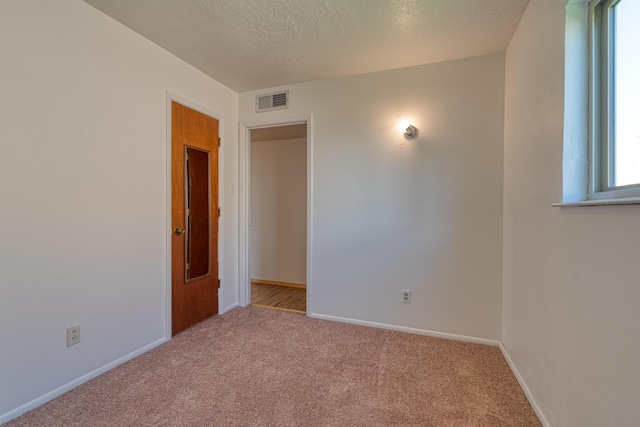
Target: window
614 156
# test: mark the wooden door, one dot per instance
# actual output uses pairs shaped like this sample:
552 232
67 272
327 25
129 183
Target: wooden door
194 217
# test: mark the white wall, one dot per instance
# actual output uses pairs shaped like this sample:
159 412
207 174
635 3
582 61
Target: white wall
571 290
390 214
83 191
279 210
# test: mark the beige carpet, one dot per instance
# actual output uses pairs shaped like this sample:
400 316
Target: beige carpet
262 367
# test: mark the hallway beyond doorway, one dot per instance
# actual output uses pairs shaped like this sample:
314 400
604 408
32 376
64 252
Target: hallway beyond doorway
279 295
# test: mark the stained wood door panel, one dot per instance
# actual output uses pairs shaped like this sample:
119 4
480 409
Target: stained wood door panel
194 296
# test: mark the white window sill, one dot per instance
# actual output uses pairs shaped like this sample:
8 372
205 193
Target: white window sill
603 202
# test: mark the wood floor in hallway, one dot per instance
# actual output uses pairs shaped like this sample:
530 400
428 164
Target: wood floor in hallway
278 296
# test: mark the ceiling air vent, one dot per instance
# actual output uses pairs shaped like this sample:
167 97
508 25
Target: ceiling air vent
272 101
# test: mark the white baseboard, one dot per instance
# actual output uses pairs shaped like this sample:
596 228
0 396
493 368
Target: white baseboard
525 388
14 413
406 329
230 307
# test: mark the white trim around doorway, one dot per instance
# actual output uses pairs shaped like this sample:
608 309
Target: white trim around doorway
244 193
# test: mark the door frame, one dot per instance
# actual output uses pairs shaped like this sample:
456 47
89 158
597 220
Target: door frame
244 193
171 96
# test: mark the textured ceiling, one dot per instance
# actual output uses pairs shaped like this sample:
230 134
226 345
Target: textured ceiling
256 44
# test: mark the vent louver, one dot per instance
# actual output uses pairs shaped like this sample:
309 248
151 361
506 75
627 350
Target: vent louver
272 101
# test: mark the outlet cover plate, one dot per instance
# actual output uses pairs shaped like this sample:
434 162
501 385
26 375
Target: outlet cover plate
406 296
73 335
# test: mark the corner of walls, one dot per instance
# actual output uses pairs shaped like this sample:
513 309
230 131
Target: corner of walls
525 388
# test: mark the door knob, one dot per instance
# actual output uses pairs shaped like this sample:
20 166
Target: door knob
178 231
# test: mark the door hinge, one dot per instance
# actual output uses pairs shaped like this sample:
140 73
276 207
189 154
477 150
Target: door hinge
187 266
219 142
219 212
218 283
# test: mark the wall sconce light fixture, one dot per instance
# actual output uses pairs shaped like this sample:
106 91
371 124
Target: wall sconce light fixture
410 132
405 127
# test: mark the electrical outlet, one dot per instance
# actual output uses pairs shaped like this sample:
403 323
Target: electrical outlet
406 296
73 335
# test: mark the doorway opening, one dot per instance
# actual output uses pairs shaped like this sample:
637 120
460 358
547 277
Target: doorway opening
277 232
